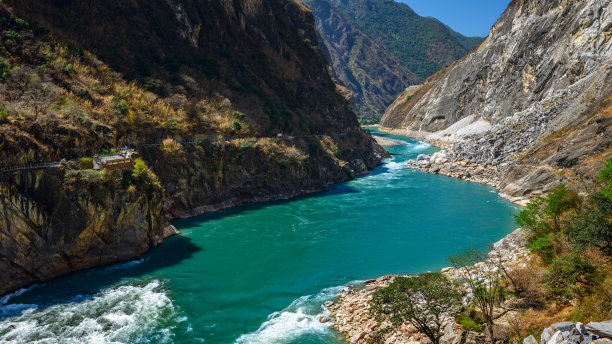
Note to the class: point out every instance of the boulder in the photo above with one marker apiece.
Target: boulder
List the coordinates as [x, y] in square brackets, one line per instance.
[530, 340]
[602, 329]
[324, 320]
[580, 327]
[564, 326]
[546, 335]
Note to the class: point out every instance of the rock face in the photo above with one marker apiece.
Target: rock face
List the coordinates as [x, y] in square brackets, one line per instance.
[199, 89]
[531, 104]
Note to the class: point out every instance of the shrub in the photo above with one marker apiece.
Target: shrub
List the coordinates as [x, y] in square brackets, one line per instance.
[543, 214]
[140, 169]
[69, 69]
[5, 70]
[571, 275]
[3, 115]
[423, 301]
[239, 115]
[11, 34]
[592, 227]
[605, 176]
[170, 146]
[22, 23]
[471, 321]
[542, 246]
[86, 163]
[235, 126]
[245, 145]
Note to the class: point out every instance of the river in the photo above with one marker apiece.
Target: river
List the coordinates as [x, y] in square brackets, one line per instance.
[260, 273]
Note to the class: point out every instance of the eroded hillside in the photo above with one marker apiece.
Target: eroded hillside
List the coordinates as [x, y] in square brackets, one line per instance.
[200, 90]
[528, 108]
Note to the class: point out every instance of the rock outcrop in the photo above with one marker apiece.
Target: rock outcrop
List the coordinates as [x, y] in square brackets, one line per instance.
[529, 107]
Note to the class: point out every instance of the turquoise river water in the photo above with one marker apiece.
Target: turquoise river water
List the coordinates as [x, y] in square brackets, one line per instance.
[260, 273]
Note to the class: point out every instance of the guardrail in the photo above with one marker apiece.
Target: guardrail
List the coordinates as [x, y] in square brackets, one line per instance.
[31, 167]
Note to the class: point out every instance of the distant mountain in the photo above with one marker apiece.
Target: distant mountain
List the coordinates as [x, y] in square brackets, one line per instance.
[379, 47]
[373, 75]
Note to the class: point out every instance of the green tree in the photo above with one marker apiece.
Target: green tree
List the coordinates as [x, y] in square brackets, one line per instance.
[140, 168]
[605, 176]
[592, 226]
[571, 275]
[424, 301]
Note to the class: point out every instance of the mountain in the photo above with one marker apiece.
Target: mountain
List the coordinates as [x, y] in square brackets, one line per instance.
[374, 75]
[221, 102]
[527, 109]
[380, 47]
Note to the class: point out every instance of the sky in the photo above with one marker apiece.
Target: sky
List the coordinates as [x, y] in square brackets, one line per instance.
[469, 17]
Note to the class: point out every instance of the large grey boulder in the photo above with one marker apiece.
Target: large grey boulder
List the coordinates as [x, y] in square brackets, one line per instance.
[602, 329]
[530, 340]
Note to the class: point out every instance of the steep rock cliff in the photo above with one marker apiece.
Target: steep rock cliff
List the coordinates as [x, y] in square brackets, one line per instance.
[199, 89]
[529, 107]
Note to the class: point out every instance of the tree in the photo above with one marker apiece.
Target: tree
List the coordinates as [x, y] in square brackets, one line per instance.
[485, 277]
[424, 300]
[592, 226]
[572, 275]
[605, 176]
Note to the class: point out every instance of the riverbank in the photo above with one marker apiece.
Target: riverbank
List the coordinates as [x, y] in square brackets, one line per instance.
[351, 311]
[446, 164]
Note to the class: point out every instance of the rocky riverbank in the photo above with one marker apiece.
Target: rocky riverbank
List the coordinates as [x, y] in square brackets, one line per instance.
[446, 164]
[351, 310]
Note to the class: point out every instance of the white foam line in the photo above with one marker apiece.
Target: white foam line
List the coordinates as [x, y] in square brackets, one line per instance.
[300, 318]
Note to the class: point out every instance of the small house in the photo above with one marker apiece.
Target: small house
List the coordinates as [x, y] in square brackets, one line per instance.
[119, 161]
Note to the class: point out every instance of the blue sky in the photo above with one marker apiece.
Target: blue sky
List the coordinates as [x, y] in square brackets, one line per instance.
[469, 17]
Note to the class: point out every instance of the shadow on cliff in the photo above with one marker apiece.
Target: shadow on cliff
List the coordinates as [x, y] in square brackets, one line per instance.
[83, 285]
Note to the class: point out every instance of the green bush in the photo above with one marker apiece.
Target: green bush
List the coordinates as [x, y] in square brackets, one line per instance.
[605, 176]
[3, 115]
[239, 115]
[571, 276]
[69, 69]
[5, 70]
[140, 169]
[542, 246]
[592, 226]
[11, 34]
[246, 145]
[22, 23]
[471, 321]
[235, 126]
[86, 163]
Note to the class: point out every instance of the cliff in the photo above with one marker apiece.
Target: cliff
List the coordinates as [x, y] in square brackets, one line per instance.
[199, 89]
[526, 109]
